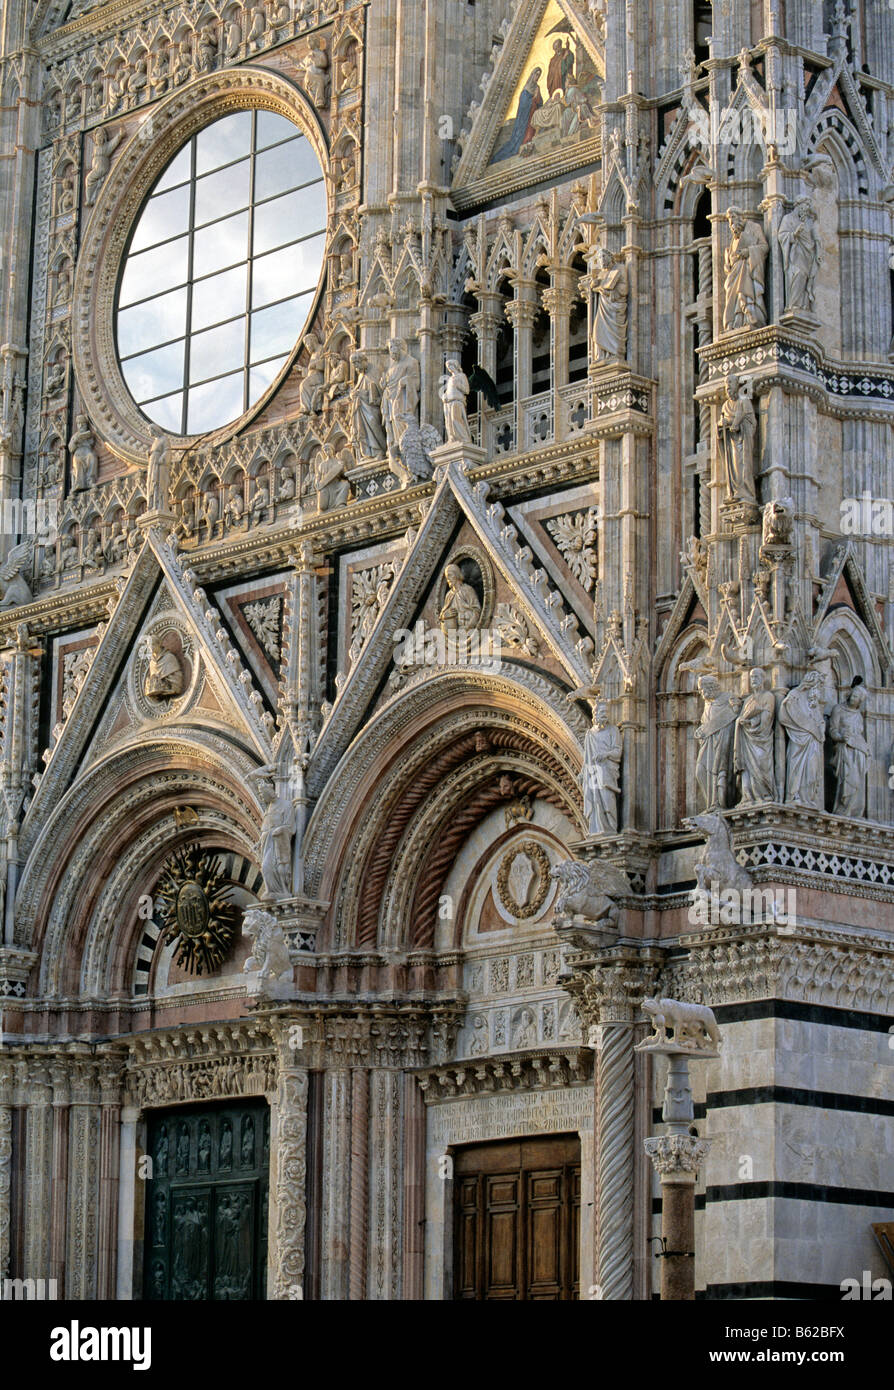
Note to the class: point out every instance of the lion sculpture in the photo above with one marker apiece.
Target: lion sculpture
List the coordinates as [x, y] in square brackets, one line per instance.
[589, 891]
[269, 953]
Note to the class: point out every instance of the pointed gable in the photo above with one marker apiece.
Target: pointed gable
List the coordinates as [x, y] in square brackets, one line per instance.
[538, 116]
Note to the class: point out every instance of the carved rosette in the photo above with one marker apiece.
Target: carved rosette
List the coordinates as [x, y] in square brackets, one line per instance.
[677, 1157]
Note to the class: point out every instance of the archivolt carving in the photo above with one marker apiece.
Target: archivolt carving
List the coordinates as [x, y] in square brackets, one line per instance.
[120, 784]
[99, 379]
[536, 709]
[107, 956]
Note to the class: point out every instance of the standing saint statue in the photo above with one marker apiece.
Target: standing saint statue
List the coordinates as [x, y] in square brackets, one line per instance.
[753, 741]
[736, 431]
[847, 731]
[714, 735]
[599, 779]
[82, 447]
[366, 410]
[104, 146]
[801, 254]
[158, 476]
[743, 284]
[454, 390]
[400, 395]
[610, 284]
[801, 715]
[275, 841]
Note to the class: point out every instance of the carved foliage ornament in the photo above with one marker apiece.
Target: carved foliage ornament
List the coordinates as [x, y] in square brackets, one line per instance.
[194, 907]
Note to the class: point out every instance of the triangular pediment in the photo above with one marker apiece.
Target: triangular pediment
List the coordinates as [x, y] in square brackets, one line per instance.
[537, 118]
[197, 675]
[532, 614]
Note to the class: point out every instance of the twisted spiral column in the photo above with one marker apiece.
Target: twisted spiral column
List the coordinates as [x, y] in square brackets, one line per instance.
[615, 1162]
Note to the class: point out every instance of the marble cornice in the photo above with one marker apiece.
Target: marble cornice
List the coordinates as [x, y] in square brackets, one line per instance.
[543, 1069]
[266, 549]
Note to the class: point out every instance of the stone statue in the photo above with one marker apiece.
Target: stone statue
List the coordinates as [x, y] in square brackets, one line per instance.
[104, 146]
[332, 487]
[453, 391]
[716, 867]
[314, 381]
[158, 475]
[778, 521]
[269, 952]
[275, 842]
[366, 410]
[588, 891]
[164, 675]
[847, 731]
[753, 741]
[461, 609]
[743, 285]
[82, 447]
[715, 736]
[258, 28]
[801, 715]
[206, 48]
[400, 396]
[599, 778]
[736, 432]
[234, 507]
[16, 589]
[316, 73]
[695, 1027]
[610, 284]
[801, 254]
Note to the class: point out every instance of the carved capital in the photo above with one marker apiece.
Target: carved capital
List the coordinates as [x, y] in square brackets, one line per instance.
[677, 1157]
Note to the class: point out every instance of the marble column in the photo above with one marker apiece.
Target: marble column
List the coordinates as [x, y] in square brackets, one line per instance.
[34, 1082]
[335, 1185]
[608, 992]
[614, 1161]
[5, 1166]
[386, 1181]
[288, 1166]
[127, 1176]
[359, 1181]
[109, 1142]
[59, 1074]
[83, 1183]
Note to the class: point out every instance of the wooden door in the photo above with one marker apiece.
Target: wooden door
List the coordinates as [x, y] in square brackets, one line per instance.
[517, 1220]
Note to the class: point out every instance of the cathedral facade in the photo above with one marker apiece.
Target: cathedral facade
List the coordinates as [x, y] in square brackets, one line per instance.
[444, 642]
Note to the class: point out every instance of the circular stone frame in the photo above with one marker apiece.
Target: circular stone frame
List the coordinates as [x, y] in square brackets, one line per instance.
[134, 173]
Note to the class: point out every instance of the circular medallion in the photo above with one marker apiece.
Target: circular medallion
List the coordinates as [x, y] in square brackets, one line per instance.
[523, 879]
[164, 671]
[195, 908]
[191, 909]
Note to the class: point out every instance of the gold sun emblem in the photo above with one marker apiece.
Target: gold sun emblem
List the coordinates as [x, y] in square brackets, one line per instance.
[194, 907]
